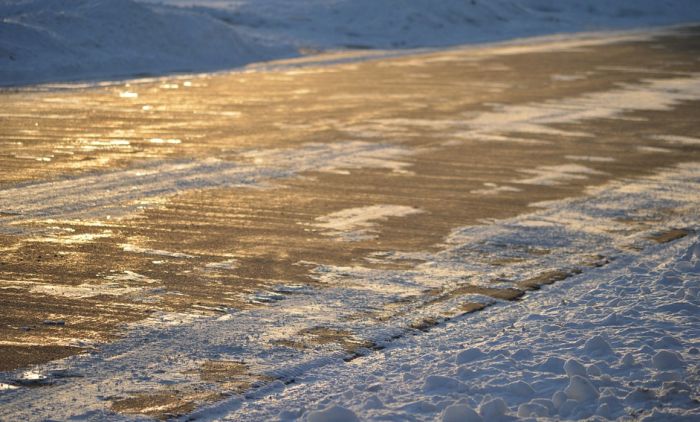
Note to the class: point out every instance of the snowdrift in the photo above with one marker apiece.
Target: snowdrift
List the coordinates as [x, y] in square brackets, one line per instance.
[45, 40]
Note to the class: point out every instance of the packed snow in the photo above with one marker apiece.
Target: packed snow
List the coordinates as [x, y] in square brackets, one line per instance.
[617, 343]
[46, 40]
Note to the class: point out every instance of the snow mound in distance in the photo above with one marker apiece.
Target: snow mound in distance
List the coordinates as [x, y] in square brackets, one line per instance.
[424, 23]
[45, 40]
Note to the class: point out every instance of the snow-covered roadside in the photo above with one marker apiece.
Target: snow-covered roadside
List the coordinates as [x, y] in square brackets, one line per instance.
[46, 40]
[389, 24]
[619, 342]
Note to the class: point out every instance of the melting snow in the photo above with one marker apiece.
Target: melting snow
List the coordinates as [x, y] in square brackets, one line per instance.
[676, 139]
[555, 175]
[355, 224]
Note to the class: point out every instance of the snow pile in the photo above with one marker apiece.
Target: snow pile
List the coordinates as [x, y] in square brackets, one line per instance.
[620, 342]
[46, 40]
[322, 24]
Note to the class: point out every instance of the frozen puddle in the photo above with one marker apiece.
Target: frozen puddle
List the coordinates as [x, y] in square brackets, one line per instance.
[360, 308]
[355, 224]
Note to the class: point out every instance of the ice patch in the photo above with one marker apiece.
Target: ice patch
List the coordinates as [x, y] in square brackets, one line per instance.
[171, 141]
[591, 158]
[567, 78]
[122, 192]
[676, 139]
[556, 175]
[357, 224]
[131, 276]
[7, 387]
[127, 247]
[86, 290]
[653, 95]
[440, 384]
[229, 264]
[73, 239]
[653, 150]
[494, 189]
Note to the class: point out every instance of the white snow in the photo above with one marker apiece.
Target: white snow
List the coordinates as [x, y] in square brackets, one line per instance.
[612, 342]
[581, 389]
[45, 40]
[592, 335]
[514, 372]
[494, 189]
[355, 224]
[86, 290]
[460, 413]
[555, 175]
[229, 264]
[333, 414]
[591, 158]
[676, 139]
[667, 359]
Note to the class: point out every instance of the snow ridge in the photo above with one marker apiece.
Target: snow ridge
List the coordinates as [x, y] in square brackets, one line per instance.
[49, 41]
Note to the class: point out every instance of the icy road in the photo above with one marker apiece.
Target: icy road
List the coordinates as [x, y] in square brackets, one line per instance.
[199, 245]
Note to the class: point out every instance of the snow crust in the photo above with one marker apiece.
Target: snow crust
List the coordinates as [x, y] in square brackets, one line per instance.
[620, 343]
[46, 40]
[620, 338]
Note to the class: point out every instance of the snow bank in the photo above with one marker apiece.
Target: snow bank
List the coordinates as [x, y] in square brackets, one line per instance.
[322, 24]
[620, 368]
[45, 40]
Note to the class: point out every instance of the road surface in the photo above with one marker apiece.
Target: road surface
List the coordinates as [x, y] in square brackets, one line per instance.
[188, 238]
